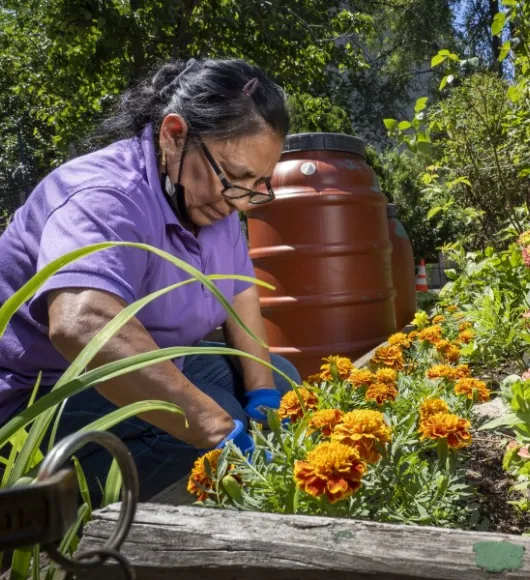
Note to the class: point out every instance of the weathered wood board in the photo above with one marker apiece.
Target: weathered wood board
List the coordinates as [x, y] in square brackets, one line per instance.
[195, 543]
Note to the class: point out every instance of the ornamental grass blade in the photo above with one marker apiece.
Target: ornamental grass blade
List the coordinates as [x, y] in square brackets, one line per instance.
[83, 487]
[113, 370]
[111, 493]
[21, 563]
[35, 568]
[128, 411]
[55, 427]
[30, 454]
[70, 540]
[86, 355]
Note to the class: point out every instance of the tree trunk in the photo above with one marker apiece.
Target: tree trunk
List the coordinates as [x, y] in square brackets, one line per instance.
[496, 41]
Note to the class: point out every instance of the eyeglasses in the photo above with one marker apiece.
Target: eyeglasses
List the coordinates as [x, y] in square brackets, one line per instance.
[235, 191]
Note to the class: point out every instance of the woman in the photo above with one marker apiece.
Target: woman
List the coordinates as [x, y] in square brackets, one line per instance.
[203, 140]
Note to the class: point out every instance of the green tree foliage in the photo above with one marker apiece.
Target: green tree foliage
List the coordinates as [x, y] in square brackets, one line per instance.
[399, 175]
[64, 62]
[475, 140]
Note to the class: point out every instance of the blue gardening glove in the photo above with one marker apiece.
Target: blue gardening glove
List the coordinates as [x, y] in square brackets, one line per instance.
[259, 401]
[240, 438]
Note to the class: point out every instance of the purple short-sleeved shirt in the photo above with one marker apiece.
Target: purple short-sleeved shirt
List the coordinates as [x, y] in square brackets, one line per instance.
[113, 194]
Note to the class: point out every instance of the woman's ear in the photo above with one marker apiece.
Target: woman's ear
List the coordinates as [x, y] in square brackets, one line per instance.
[173, 133]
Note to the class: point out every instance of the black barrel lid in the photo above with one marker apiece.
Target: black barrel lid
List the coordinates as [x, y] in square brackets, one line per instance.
[324, 142]
[391, 210]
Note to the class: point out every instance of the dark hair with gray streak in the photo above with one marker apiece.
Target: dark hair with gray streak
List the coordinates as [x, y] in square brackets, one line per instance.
[217, 98]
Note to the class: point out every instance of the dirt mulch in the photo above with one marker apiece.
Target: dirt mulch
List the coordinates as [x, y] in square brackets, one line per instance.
[485, 473]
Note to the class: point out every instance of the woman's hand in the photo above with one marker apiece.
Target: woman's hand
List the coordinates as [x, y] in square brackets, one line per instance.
[77, 314]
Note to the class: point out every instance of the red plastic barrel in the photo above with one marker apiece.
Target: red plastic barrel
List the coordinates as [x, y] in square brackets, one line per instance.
[403, 269]
[324, 244]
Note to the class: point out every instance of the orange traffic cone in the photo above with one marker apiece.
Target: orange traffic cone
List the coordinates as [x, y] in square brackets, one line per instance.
[421, 278]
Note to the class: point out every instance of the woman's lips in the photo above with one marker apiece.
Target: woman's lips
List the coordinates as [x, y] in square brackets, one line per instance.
[212, 213]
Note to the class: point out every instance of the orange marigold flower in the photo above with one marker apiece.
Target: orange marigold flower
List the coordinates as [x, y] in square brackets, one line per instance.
[331, 469]
[389, 356]
[466, 336]
[313, 379]
[324, 421]
[450, 352]
[199, 476]
[464, 326]
[290, 407]
[431, 407]
[452, 308]
[462, 372]
[466, 387]
[432, 334]
[400, 339]
[388, 376]
[343, 364]
[363, 430]
[381, 393]
[438, 319]
[441, 371]
[413, 334]
[447, 426]
[361, 377]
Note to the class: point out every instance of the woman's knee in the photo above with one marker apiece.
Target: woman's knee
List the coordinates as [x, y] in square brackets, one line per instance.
[286, 367]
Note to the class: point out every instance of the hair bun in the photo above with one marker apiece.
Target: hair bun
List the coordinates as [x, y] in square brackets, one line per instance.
[167, 74]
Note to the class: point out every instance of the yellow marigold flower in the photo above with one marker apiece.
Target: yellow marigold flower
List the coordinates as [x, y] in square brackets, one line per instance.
[324, 421]
[438, 319]
[447, 426]
[343, 364]
[432, 334]
[389, 356]
[466, 336]
[466, 387]
[458, 315]
[199, 476]
[400, 339]
[421, 319]
[381, 393]
[363, 429]
[524, 238]
[464, 326]
[432, 406]
[462, 372]
[360, 377]
[452, 308]
[441, 371]
[388, 376]
[331, 469]
[448, 351]
[313, 379]
[413, 335]
[290, 407]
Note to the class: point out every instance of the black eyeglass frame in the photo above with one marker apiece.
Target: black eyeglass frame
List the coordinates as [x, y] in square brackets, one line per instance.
[227, 185]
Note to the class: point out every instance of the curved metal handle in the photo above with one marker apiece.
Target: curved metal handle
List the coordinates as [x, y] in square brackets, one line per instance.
[130, 492]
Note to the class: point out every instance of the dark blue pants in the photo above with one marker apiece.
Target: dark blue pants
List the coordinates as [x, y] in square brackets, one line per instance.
[160, 458]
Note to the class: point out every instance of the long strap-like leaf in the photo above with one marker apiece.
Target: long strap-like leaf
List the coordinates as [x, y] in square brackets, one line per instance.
[113, 370]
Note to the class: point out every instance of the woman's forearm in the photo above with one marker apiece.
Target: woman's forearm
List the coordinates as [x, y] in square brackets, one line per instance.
[255, 375]
[77, 315]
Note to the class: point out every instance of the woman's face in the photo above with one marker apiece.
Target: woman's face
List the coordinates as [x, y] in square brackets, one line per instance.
[246, 161]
